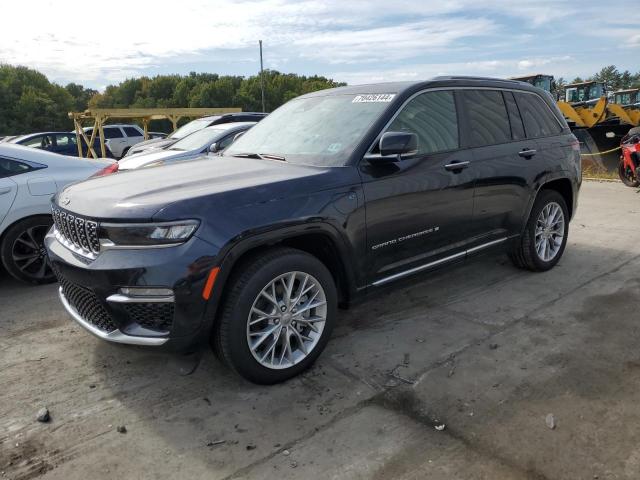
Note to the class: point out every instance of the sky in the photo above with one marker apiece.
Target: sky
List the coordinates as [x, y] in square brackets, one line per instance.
[348, 40]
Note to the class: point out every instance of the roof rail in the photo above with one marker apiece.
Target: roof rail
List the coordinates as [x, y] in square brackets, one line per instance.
[469, 77]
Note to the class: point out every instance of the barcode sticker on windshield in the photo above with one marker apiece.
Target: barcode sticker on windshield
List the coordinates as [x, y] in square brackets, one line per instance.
[374, 98]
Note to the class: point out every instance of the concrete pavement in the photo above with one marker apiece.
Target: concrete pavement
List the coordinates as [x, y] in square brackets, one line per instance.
[483, 348]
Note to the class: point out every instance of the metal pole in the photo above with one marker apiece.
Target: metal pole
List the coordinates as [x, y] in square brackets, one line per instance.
[262, 77]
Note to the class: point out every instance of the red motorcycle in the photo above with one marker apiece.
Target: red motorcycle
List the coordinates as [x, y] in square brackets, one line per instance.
[629, 166]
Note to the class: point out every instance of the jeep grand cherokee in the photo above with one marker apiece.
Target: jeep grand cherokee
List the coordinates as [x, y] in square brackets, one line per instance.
[334, 195]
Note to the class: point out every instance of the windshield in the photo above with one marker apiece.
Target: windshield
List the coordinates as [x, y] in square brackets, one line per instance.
[623, 98]
[189, 128]
[543, 82]
[198, 140]
[320, 131]
[595, 91]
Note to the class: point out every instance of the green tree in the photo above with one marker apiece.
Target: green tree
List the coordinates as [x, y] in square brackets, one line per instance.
[610, 76]
[29, 102]
[81, 96]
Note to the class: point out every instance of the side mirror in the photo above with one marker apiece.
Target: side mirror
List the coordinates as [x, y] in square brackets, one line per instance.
[393, 147]
[213, 148]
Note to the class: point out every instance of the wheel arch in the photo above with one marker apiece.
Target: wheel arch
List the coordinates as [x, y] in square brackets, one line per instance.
[561, 184]
[18, 220]
[319, 239]
[564, 187]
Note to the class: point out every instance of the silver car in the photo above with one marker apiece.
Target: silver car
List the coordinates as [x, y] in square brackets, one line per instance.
[194, 126]
[28, 179]
[210, 139]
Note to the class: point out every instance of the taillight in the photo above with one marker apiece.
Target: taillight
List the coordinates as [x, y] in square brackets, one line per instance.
[113, 168]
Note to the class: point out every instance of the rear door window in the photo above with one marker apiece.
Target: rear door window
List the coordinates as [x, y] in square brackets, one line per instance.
[432, 117]
[112, 132]
[517, 128]
[488, 117]
[536, 115]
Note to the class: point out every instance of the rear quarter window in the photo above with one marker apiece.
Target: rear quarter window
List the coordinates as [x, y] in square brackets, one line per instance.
[10, 167]
[538, 119]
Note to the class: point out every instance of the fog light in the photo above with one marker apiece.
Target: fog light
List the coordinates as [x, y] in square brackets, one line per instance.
[146, 292]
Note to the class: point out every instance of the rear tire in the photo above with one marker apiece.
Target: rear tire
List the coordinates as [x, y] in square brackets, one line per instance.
[22, 251]
[544, 239]
[627, 176]
[277, 315]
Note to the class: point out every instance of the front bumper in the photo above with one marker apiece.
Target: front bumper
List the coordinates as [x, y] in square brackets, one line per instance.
[112, 336]
[90, 291]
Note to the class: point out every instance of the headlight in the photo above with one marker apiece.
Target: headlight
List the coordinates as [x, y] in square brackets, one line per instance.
[146, 234]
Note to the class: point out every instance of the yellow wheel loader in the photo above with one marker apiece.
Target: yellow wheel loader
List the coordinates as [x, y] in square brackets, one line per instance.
[626, 106]
[597, 125]
[585, 104]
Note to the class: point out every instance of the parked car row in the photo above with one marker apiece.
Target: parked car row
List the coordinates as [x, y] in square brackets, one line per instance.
[210, 139]
[120, 138]
[29, 177]
[194, 126]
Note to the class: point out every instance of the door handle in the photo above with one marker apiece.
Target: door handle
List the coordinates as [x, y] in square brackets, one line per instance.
[527, 153]
[5, 190]
[456, 166]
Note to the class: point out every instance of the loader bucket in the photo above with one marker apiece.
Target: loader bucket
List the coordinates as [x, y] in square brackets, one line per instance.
[594, 140]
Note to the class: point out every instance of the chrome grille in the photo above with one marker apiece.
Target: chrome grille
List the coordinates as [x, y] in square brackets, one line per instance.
[77, 231]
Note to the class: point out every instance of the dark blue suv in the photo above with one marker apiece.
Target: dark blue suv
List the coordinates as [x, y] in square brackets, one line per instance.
[333, 196]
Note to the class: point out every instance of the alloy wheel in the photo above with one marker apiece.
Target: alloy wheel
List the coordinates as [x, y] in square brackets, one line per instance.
[286, 320]
[549, 232]
[29, 254]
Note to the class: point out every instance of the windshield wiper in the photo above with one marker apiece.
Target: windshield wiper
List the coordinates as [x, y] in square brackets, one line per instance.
[260, 156]
[247, 155]
[271, 156]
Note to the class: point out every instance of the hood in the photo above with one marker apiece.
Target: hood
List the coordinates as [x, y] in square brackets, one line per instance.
[142, 159]
[137, 195]
[153, 143]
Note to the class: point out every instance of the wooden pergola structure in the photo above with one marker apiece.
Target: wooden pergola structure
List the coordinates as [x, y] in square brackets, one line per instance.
[100, 115]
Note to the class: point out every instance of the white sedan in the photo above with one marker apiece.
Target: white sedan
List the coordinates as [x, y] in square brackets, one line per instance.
[28, 179]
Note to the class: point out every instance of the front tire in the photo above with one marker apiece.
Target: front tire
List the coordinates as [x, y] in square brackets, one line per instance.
[544, 239]
[23, 253]
[277, 316]
[627, 176]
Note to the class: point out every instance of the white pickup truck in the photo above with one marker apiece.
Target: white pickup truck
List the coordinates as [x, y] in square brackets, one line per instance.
[120, 138]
